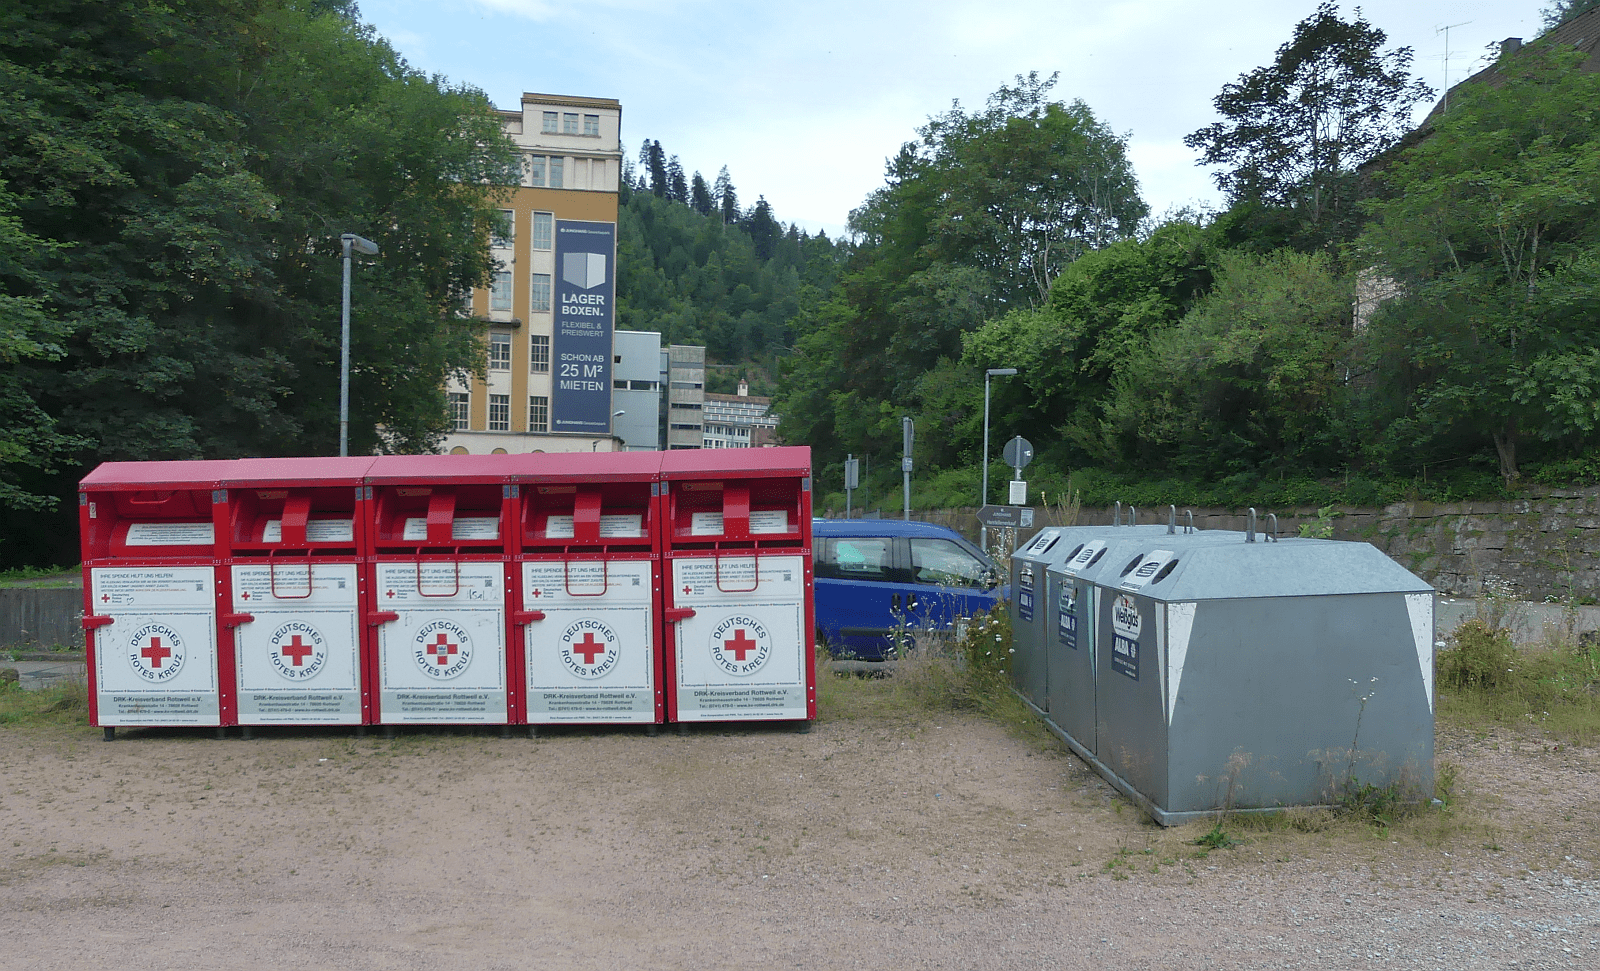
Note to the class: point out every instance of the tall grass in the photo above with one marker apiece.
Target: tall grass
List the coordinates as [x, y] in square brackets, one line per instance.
[1553, 685]
[64, 703]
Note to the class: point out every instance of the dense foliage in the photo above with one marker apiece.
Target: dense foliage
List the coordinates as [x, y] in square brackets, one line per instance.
[1217, 356]
[174, 179]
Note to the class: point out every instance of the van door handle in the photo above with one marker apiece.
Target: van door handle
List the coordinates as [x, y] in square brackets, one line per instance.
[894, 601]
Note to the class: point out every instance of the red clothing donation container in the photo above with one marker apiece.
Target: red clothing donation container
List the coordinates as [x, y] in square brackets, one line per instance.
[738, 602]
[442, 534]
[152, 540]
[589, 592]
[295, 529]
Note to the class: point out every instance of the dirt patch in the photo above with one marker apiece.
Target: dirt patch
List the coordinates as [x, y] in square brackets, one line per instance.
[877, 840]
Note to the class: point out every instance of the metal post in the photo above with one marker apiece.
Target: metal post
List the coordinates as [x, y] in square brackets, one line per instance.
[994, 372]
[344, 356]
[908, 433]
[361, 245]
[983, 497]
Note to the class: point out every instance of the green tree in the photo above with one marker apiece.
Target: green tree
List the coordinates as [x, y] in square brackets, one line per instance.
[1294, 131]
[1492, 231]
[1559, 12]
[976, 218]
[186, 170]
[1252, 379]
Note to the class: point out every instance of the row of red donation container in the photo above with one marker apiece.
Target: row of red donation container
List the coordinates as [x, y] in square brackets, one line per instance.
[541, 589]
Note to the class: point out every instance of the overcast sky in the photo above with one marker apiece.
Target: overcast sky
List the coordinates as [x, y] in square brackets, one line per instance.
[805, 101]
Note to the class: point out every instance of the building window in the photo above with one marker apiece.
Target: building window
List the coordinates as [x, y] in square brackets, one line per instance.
[591, 125]
[499, 413]
[539, 354]
[555, 171]
[500, 290]
[504, 229]
[536, 169]
[550, 123]
[544, 227]
[539, 294]
[569, 123]
[460, 410]
[499, 352]
[538, 412]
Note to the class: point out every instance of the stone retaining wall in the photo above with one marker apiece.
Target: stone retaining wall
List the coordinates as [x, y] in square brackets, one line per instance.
[1544, 545]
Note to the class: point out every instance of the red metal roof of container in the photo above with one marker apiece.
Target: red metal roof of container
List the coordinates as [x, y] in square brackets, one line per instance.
[196, 473]
[581, 466]
[438, 468]
[308, 470]
[709, 463]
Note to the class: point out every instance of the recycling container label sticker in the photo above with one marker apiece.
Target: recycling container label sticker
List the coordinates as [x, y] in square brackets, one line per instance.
[1125, 627]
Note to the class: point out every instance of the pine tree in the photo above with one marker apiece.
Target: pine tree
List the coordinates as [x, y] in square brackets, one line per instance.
[727, 198]
[656, 164]
[764, 230]
[677, 186]
[700, 195]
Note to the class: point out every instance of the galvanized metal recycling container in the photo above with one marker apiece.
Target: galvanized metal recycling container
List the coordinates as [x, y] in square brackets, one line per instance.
[1228, 674]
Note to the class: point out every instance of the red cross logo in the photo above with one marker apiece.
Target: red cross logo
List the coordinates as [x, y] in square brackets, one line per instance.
[687, 588]
[740, 645]
[538, 593]
[155, 653]
[441, 649]
[589, 648]
[245, 595]
[297, 650]
[105, 598]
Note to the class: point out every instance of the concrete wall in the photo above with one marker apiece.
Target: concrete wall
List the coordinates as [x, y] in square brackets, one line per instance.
[1544, 545]
[41, 617]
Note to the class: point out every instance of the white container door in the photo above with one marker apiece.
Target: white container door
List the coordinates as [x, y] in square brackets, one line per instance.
[444, 660]
[156, 662]
[299, 661]
[742, 655]
[591, 659]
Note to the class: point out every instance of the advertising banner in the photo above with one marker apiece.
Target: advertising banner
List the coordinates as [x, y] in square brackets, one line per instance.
[580, 348]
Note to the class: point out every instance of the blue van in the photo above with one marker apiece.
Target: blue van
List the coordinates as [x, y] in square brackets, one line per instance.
[880, 582]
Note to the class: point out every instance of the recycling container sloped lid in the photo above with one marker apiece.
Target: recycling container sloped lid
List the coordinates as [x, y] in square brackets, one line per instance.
[1287, 568]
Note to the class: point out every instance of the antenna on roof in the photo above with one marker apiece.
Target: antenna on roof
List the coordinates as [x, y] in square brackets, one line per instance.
[1445, 30]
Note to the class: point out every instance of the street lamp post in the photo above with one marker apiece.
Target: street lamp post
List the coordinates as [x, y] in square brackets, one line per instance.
[994, 372]
[368, 248]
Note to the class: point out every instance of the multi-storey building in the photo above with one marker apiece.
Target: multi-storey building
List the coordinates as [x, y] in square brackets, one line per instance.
[685, 369]
[553, 358]
[740, 420]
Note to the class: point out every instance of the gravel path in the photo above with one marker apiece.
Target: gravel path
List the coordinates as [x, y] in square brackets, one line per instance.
[877, 841]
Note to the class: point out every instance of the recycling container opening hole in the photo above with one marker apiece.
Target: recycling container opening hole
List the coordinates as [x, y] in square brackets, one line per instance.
[1132, 564]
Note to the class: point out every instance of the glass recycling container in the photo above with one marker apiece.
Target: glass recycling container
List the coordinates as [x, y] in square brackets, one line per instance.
[1231, 671]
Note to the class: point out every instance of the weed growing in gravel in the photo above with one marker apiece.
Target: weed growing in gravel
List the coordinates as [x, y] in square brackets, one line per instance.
[60, 704]
[1553, 686]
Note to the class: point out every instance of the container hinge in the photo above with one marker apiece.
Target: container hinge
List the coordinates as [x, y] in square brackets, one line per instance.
[674, 614]
[235, 620]
[382, 617]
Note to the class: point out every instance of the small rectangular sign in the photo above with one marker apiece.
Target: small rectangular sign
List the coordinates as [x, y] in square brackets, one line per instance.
[618, 526]
[170, 534]
[317, 531]
[465, 528]
[761, 521]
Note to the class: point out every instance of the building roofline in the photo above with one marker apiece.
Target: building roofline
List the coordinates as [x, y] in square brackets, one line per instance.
[571, 100]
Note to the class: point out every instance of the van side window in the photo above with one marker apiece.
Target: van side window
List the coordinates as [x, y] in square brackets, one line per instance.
[942, 562]
[854, 558]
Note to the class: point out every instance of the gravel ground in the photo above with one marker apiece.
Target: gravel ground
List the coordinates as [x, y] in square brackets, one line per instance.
[879, 840]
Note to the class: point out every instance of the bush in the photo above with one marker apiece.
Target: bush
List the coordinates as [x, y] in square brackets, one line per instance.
[1480, 656]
